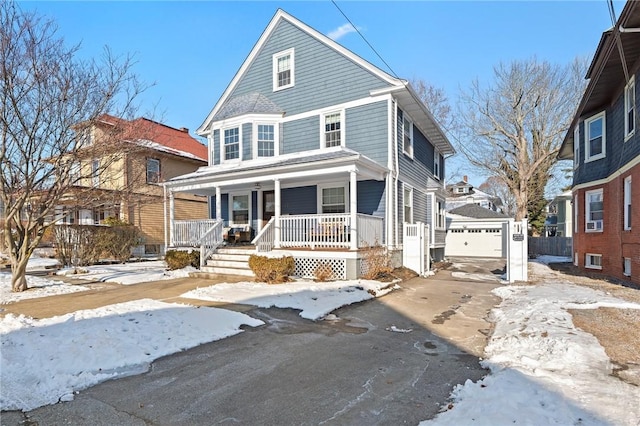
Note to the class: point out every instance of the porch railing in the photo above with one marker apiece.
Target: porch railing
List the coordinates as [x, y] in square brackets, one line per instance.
[315, 230]
[265, 239]
[187, 233]
[369, 230]
[210, 241]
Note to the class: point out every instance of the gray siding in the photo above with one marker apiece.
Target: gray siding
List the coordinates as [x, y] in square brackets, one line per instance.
[418, 170]
[300, 135]
[322, 76]
[366, 130]
[421, 207]
[618, 152]
[371, 198]
[216, 147]
[247, 141]
[300, 200]
[430, 207]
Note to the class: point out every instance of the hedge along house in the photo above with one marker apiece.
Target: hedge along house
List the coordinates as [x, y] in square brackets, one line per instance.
[604, 143]
[315, 151]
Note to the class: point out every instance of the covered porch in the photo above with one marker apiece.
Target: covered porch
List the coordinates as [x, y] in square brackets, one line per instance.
[324, 200]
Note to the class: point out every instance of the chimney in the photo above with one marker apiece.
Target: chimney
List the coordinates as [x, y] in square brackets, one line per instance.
[185, 130]
[464, 178]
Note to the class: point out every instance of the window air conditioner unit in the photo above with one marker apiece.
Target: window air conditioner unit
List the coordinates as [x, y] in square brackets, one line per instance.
[594, 225]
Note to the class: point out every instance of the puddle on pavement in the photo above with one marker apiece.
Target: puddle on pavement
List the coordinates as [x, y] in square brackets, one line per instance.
[440, 319]
[288, 321]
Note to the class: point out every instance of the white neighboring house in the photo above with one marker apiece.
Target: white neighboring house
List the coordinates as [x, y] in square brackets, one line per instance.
[461, 193]
[475, 231]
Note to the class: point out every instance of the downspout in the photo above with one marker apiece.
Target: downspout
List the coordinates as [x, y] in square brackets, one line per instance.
[396, 173]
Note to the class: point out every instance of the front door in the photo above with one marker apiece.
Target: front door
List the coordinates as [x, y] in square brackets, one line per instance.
[268, 206]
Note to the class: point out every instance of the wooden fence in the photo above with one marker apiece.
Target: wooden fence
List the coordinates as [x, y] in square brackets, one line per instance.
[555, 246]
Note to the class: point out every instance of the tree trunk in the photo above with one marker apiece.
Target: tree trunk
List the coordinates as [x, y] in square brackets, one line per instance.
[19, 275]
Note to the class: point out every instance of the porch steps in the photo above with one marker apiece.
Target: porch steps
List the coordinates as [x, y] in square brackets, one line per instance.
[230, 261]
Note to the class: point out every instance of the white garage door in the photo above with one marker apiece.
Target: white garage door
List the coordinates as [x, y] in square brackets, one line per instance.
[478, 242]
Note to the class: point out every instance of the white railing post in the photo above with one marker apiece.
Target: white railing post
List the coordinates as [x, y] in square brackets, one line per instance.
[171, 216]
[353, 202]
[277, 236]
[218, 203]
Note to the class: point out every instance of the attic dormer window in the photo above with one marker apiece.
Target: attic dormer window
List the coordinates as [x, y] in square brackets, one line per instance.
[460, 190]
[283, 70]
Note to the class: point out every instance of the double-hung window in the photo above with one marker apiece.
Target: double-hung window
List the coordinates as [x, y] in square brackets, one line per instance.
[407, 202]
[232, 143]
[627, 203]
[333, 200]
[407, 135]
[266, 143]
[593, 261]
[595, 137]
[630, 108]
[240, 209]
[436, 164]
[153, 170]
[332, 129]
[576, 146]
[283, 69]
[95, 172]
[441, 215]
[594, 210]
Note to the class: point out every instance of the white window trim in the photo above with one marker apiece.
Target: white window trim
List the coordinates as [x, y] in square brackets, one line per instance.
[410, 188]
[323, 117]
[576, 146]
[239, 194]
[626, 271]
[630, 87]
[436, 163]
[587, 145]
[626, 203]
[587, 211]
[322, 186]
[223, 146]
[441, 213]
[588, 264]
[276, 138]
[275, 58]
[405, 116]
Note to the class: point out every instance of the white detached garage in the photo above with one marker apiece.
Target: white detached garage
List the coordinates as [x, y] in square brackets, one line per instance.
[474, 231]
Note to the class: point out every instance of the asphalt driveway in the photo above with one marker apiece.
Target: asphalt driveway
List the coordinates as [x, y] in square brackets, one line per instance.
[392, 360]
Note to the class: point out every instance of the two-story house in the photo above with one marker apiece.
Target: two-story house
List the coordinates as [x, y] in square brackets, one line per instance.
[559, 216]
[122, 177]
[316, 151]
[461, 193]
[605, 148]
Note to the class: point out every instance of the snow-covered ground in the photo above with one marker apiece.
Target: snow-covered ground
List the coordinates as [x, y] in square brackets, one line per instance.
[315, 300]
[128, 273]
[543, 369]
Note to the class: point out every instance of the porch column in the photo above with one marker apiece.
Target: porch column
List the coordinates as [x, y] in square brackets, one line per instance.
[218, 203]
[276, 239]
[172, 209]
[353, 206]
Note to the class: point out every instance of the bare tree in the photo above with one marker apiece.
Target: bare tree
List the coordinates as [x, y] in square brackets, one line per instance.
[49, 100]
[495, 186]
[515, 126]
[436, 101]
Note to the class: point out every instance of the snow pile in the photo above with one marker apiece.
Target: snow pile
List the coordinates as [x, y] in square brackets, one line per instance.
[38, 287]
[543, 369]
[46, 361]
[127, 273]
[315, 300]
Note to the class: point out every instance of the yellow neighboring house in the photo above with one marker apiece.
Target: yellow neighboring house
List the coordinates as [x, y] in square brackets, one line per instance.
[125, 180]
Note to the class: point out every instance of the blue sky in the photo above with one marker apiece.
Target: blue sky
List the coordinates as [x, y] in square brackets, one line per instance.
[192, 50]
